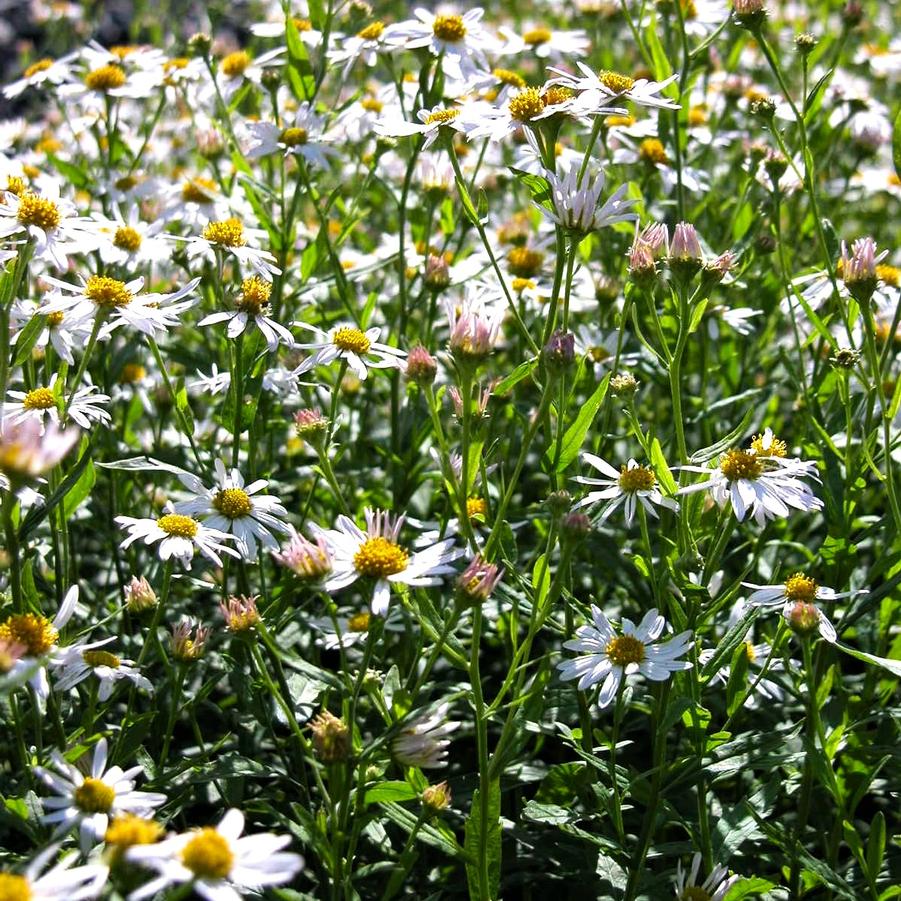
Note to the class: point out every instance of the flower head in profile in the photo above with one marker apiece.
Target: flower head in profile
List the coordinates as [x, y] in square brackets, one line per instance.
[713, 888]
[634, 484]
[608, 657]
[378, 555]
[219, 863]
[598, 89]
[28, 449]
[424, 741]
[78, 662]
[576, 202]
[474, 326]
[62, 882]
[306, 559]
[88, 801]
[251, 307]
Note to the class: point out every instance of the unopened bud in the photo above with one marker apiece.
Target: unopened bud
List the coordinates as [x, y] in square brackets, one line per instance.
[437, 273]
[331, 738]
[199, 44]
[240, 613]
[805, 43]
[575, 526]
[560, 352]
[624, 384]
[436, 798]
[803, 618]
[559, 503]
[421, 366]
[139, 596]
[310, 424]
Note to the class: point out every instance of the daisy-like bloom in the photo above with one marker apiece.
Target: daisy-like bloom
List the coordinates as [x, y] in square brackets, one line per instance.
[350, 630]
[62, 333]
[713, 888]
[365, 44]
[424, 741]
[359, 349]
[50, 222]
[596, 89]
[76, 662]
[131, 242]
[189, 640]
[121, 304]
[230, 506]
[632, 485]
[759, 480]
[610, 657]
[432, 122]
[797, 588]
[238, 67]
[308, 561]
[474, 326]
[33, 639]
[231, 236]
[252, 308]
[376, 554]
[459, 41]
[544, 42]
[41, 405]
[303, 137]
[41, 72]
[575, 202]
[601, 349]
[29, 449]
[178, 536]
[218, 862]
[62, 882]
[88, 802]
[859, 268]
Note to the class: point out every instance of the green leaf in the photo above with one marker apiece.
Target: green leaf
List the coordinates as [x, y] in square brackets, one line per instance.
[749, 888]
[522, 371]
[896, 145]
[539, 187]
[876, 845]
[491, 841]
[893, 666]
[661, 469]
[738, 678]
[714, 450]
[28, 337]
[541, 579]
[80, 491]
[390, 791]
[575, 434]
[77, 177]
[300, 71]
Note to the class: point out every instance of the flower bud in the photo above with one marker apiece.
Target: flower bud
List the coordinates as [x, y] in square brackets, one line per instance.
[189, 644]
[559, 503]
[199, 44]
[310, 424]
[308, 561]
[750, 14]
[845, 358]
[331, 738]
[575, 526]
[685, 255]
[437, 273]
[240, 613]
[436, 798]
[763, 108]
[803, 618]
[560, 352]
[624, 384]
[421, 366]
[139, 596]
[805, 43]
[479, 579]
[271, 79]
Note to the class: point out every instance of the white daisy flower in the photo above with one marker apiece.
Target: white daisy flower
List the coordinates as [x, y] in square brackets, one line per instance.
[42, 404]
[230, 506]
[131, 242]
[151, 314]
[61, 332]
[77, 662]
[394, 125]
[576, 202]
[28, 449]
[376, 554]
[609, 657]
[178, 536]
[252, 308]
[543, 42]
[303, 137]
[239, 67]
[798, 587]
[43, 71]
[597, 88]
[89, 801]
[765, 486]
[360, 349]
[713, 888]
[218, 862]
[424, 742]
[62, 882]
[365, 44]
[231, 236]
[632, 485]
[351, 630]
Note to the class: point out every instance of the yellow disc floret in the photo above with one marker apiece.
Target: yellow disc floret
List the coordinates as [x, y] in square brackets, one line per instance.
[799, 587]
[94, 796]
[293, 137]
[526, 105]
[42, 65]
[616, 81]
[537, 36]
[352, 340]
[39, 399]
[359, 622]
[199, 190]
[227, 233]
[777, 448]
[738, 464]
[107, 292]
[127, 238]
[106, 78]
[476, 506]
[378, 557]
[101, 658]
[235, 63]
[651, 150]
[641, 478]
[372, 32]
[524, 262]
[35, 633]
[35, 210]
[449, 28]
[508, 76]
[14, 888]
[254, 297]
[128, 830]
[625, 649]
[442, 116]
[208, 855]
[233, 503]
[178, 525]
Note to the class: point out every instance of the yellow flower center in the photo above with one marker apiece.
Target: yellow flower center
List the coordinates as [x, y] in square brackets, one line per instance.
[42, 65]
[232, 503]
[625, 649]
[359, 622]
[302, 24]
[894, 180]
[750, 653]
[888, 275]
[616, 81]
[35, 210]
[254, 297]
[131, 373]
[54, 319]
[476, 506]
[177, 62]
[94, 796]
[526, 105]
[614, 121]
[371, 105]
[35, 633]
[799, 587]
[697, 115]
[378, 557]
[101, 658]
[199, 190]
[372, 32]
[442, 116]
[107, 292]
[126, 183]
[598, 354]
[106, 78]
[652, 150]
[521, 284]
[351, 339]
[689, 9]
[291, 137]
[39, 399]
[777, 448]
[554, 95]
[449, 28]
[127, 238]
[178, 525]
[16, 185]
[524, 262]
[537, 36]
[235, 63]
[227, 233]
[507, 76]
[14, 888]
[738, 464]
[49, 144]
[128, 830]
[208, 855]
[641, 478]
[122, 50]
